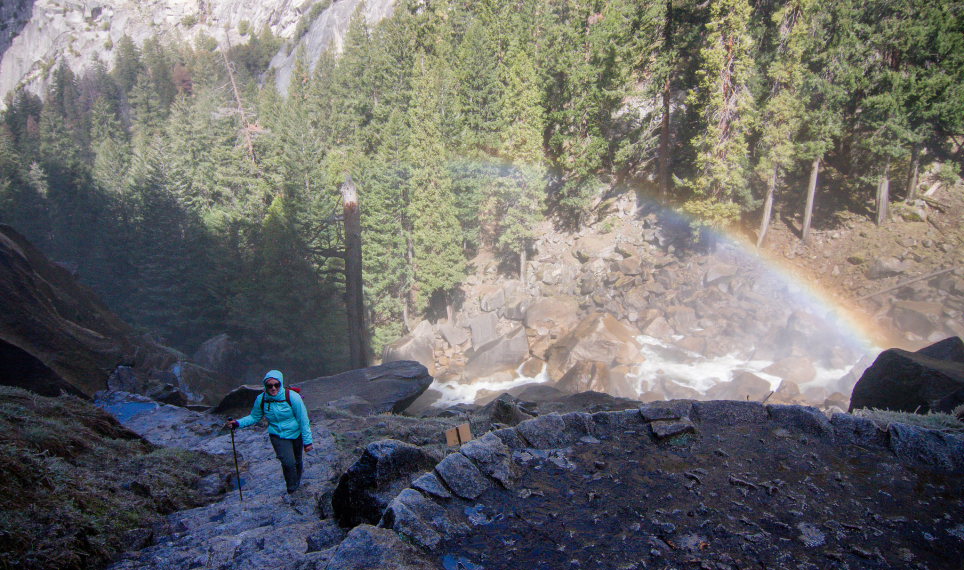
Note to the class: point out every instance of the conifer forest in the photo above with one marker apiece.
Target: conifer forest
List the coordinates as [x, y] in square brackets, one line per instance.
[195, 198]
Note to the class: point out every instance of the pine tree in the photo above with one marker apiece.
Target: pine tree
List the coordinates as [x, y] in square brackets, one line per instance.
[158, 66]
[725, 105]
[147, 110]
[111, 148]
[64, 100]
[480, 87]
[438, 263]
[782, 112]
[826, 89]
[22, 117]
[930, 39]
[521, 195]
[170, 290]
[585, 55]
[11, 177]
[127, 63]
[199, 146]
[384, 189]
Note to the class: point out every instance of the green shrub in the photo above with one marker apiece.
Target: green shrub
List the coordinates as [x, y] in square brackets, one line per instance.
[712, 213]
[949, 173]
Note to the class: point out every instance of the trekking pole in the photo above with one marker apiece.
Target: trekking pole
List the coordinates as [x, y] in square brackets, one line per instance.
[237, 469]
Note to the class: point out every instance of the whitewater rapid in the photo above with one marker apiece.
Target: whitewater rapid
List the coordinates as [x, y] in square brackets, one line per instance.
[697, 372]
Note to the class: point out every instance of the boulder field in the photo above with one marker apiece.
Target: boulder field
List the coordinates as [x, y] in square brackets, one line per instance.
[594, 307]
[598, 303]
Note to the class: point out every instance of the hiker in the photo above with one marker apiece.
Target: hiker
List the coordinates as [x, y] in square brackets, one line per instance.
[288, 426]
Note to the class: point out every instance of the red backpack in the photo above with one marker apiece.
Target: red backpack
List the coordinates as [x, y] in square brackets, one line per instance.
[287, 396]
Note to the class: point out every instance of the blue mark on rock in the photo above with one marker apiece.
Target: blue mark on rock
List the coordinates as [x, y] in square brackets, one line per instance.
[128, 410]
[450, 562]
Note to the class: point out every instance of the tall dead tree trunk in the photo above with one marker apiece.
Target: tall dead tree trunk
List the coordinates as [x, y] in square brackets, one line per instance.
[245, 125]
[883, 195]
[411, 298]
[913, 173]
[767, 207]
[522, 265]
[358, 346]
[811, 195]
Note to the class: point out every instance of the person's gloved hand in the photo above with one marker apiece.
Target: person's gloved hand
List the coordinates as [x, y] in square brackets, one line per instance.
[309, 447]
[233, 424]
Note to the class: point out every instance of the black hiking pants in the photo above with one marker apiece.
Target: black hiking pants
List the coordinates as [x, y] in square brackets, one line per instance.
[289, 453]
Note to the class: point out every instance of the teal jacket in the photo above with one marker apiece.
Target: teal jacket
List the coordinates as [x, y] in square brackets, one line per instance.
[284, 420]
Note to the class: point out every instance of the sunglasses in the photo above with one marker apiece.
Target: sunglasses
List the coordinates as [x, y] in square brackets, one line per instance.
[271, 385]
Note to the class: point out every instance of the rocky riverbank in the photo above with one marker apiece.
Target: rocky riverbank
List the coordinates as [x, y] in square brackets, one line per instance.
[635, 306]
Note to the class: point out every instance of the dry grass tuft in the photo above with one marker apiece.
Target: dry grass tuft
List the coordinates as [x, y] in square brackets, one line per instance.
[74, 481]
[930, 420]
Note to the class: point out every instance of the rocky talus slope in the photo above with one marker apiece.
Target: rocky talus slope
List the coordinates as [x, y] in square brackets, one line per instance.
[804, 313]
[678, 484]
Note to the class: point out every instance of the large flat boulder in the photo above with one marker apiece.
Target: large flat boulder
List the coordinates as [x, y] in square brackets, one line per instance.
[417, 345]
[744, 386]
[390, 387]
[599, 337]
[584, 376]
[911, 381]
[484, 329]
[921, 318]
[506, 352]
[222, 355]
[553, 315]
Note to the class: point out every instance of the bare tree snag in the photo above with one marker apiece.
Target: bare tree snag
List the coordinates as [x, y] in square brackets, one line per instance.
[523, 260]
[811, 195]
[883, 195]
[767, 207]
[913, 173]
[246, 127]
[358, 345]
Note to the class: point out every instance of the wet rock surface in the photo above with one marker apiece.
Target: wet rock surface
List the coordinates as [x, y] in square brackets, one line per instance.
[270, 529]
[677, 484]
[789, 491]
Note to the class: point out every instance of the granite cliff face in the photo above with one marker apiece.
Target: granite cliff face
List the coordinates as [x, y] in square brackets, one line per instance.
[36, 35]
